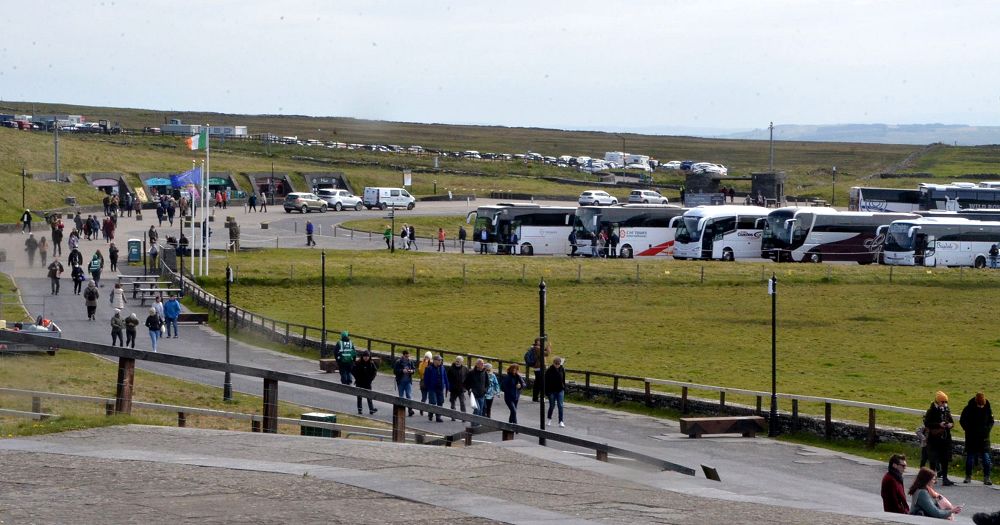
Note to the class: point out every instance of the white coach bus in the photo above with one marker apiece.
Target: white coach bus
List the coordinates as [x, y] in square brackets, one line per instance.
[940, 241]
[539, 230]
[643, 229]
[719, 232]
[825, 234]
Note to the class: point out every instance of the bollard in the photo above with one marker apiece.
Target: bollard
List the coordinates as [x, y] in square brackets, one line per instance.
[464, 280]
[522, 272]
[890, 273]
[413, 274]
[636, 272]
[275, 242]
[579, 271]
[702, 275]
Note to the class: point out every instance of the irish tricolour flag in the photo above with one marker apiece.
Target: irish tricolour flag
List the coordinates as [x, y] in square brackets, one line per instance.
[199, 141]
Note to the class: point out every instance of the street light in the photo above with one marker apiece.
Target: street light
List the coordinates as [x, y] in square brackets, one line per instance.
[227, 384]
[24, 173]
[772, 290]
[541, 359]
[322, 348]
[833, 198]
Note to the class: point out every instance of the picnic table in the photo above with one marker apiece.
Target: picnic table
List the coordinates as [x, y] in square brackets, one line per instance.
[137, 285]
[152, 293]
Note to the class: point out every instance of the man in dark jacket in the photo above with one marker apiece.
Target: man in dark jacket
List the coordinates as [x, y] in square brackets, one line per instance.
[893, 494]
[344, 353]
[977, 421]
[555, 387]
[476, 382]
[364, 373]
[939, 423]
[403, 370]
[436, 382]
[456, 383]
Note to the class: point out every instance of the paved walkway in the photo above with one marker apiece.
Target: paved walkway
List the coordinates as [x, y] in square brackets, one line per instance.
[758, 470]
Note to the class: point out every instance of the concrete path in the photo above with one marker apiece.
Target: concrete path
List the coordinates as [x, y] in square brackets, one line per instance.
[759, 469]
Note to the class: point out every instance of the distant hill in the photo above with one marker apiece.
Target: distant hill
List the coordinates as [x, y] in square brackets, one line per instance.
[950, 134]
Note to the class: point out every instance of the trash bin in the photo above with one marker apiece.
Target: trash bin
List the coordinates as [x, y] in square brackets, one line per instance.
[134, 250]
[71, 201]
[317, 431]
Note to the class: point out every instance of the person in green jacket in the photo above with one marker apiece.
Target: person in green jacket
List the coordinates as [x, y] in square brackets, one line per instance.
[387, 235]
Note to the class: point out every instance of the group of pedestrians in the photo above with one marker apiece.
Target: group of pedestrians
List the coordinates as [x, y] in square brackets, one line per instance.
[936, 451]
[478, 386]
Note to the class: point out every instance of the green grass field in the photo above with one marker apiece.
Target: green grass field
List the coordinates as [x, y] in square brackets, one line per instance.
[843, 331]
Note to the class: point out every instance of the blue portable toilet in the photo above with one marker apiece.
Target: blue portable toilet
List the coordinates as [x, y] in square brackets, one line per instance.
[134, 250]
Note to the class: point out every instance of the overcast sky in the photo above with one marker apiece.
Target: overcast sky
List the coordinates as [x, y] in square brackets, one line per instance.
[727, 64]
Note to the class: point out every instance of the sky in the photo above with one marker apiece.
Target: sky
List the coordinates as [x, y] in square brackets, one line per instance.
[618, 66]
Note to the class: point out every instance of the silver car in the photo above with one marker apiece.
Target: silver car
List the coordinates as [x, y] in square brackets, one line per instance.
[597, 198]
[340, 199]
[646, 197]
[304, 202]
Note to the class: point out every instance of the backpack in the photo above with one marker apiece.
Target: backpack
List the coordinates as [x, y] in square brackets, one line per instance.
[530, 359]
[90, 294]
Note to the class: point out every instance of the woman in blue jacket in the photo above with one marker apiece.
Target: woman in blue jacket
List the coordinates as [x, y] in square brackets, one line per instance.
[511, 386]
[436, 383]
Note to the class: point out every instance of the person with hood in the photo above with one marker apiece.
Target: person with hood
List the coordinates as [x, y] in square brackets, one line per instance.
[477, 383]
[421, 369]
[977, 422]
[57, 237]
[511, 386]
[30, 246]
[345, 353]
[155, 325]
[939, 423]
[387, 235]
[456, 381]
[491, 391]
[26, 221]
[555, 388]
[435, 379]
[74, 238]
[78, 276]
[117, 325]
[113, 257]
[117, 297]
[171, 311]
[55, 272]
[131, 323]
[96, 266]
[893, 492]
[90, 296]
[43, 250]
[364, 374]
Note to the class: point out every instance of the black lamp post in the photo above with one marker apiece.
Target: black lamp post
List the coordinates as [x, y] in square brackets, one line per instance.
[541, 359]
[833, 198]
[322, 347]
[772, 290]
[24, 174]
[227, 384]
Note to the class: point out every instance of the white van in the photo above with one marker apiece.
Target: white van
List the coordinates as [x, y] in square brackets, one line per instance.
[383, 198]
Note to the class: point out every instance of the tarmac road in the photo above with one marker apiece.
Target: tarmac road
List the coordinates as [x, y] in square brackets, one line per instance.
[759, 470]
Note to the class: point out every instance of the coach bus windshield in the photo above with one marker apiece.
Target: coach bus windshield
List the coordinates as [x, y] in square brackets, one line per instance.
[775, 226]
[688, 229]
[588, 222]
[899, 239]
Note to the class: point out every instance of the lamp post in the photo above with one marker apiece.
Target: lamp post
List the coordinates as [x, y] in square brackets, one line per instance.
[24, 173]
[833, 197]
[227, 384]
[772, 290]
[541, 359]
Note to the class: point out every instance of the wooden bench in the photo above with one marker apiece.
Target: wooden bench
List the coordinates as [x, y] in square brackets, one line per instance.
[192, 317]
[328, 365]
[137, 285]
[697, 426]
[130, 278]
[151, 293]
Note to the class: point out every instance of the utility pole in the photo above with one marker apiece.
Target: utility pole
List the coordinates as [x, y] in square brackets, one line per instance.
[541, 359]
[322, 348]
[770, 164]
[55, 122]
[24, 174]
[833, 198]
[772, 290]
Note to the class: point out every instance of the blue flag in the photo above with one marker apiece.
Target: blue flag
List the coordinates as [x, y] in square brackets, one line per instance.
[192, 176]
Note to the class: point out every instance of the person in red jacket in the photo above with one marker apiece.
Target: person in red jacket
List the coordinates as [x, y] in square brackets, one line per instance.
[893, 493]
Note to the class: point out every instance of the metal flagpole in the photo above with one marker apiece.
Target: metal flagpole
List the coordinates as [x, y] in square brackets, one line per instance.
[208, 170]
[193, 209]
[204, 213]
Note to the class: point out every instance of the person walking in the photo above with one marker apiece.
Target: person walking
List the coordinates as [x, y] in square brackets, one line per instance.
[412, 237]
[55, 272]
[404, 370]
[492, 390]
[461, 237]
[171, 311]
[893, 492]
[477, 383]
[74, 240]
[158, 306]
[26, 221]
[441, 238]
[977, 422]
[456, 383]
[117, 326]
[77, 276]
[364, 373]
[613, 243]
[511, 386]
[387, 235]
[117, 297]
[96, 266]
[345, 353]
[532, 361]
[252, 203]
[113, 257]
[90, 297]
[483, 237]
[152, 236]
[155, 325]
[555, 388]
[421, 370]
[43, 251]
[131, 323]
[31, 246]
[57, 238]
[404, 234]
[939, 423]
[994, 256]
[572, 242]
[926, 501]
[436, 381]
[309, 234]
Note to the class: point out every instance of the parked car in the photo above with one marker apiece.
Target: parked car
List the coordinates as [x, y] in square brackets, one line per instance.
[672, 165]
[383, 198]
[340, 199]
[708, 167]
[304, 202]
[646, 197]
[597, 198]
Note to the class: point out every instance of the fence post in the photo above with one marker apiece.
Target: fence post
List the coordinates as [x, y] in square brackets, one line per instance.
[468, 438]
[579, 272]
[636, 272]
[702, 275]
[398, 424]
[270, 423]
[392, 351]
[828, 422]
[759, 401]
[464, 281]
[722, 399]
[36, 404]
[649, 395]
[684, 400]
[871, 428]
[586, 387]
[413, 274]
[614, 393]
[304, 329]
[126, 380]
[369, 346]
[795, 415]
[181, 419]
[602, 455]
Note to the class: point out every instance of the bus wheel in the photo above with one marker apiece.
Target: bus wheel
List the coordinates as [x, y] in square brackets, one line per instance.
[527, 250]
[816, 258]
[626, 252]
[727, 255]
[980, 262]
[382, 206]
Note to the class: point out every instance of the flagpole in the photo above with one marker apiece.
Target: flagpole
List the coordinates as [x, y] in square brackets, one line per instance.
[208, 171]
[197, 235]
[192, 208]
